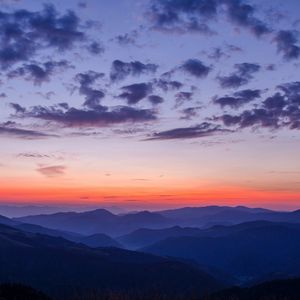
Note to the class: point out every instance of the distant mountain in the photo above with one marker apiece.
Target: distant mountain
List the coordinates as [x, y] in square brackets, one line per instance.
[247, 251]
[226, 215]
[47, 231]
[61, 268]
[7, 221]
[273, 290]
[95, 240]
[98, 240]
[145, 237]
[13, 291]
[16, 211]
[98, 221]
[103, 221]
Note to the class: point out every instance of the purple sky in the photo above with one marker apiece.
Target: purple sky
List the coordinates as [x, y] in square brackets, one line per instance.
[157, 102]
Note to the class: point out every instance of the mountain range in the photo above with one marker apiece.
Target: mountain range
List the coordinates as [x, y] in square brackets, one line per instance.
[60, 268]
[182, 252]
[249, 251]
[103, 221]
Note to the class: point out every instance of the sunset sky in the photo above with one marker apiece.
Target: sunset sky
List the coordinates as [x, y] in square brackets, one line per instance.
[150, 103]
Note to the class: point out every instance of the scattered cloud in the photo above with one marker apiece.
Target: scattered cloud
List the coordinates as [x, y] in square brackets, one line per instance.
[202, 130]
[243, 74]
[120, 70]
[287, 44]
[9, 129]
[195, 68]
[93, 96]
[238, 99]
[98, 116]
[136, 92]
[52, 171]
[24, 33]
[39, 73]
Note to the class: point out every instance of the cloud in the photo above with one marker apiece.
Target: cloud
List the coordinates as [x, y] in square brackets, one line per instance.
[98, 116]
[52, 171]
[93, 96]
[196, 68]
[127, 38]
[95, 48]
[190, 112]
[286, 41]
[182, 97]
[120, 70]
[167, 85]
[136, 92]
[182, 16]
[238, 99]
[33, 155]
[242, 76]
[280, 110]
[39, 73]
[195, 15]
[9, 129]
[202, 130]
[17, 107]
[155, 99]
[242, 15]
[24, 33]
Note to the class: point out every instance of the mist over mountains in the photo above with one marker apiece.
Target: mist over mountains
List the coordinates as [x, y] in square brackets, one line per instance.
[179, 252]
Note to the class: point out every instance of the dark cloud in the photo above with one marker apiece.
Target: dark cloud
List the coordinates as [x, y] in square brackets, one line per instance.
[9, 129]
[33, 155]
[277, 111]
[217, 53]
[196, 68]
[23, 33]
[92, 96]
[243, 74]
[182, 97]
[18, 108]
[286, 41]
[190, 112]
[136, 92]
[155, 99]
[127, 38]
[82, 4]
[52, 171]
[202, 130]
[242, 15]
[238, 99]
[182, 16]
[39, 73]
[95, 48]
[98, 116]
[120, 70]
[223, 52]
[194, 15]
[3, 95]
[167, 85]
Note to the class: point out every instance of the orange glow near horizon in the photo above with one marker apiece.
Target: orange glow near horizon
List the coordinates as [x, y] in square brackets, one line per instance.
[157, 196]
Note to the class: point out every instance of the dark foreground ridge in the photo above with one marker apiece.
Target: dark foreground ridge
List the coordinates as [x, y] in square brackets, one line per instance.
[273, 290]
[63, 268]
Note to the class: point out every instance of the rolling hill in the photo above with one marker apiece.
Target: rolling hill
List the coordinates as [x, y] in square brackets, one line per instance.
[247, 251]
[61, 268]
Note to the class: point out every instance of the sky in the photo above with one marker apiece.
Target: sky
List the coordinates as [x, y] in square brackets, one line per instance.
[150, 103]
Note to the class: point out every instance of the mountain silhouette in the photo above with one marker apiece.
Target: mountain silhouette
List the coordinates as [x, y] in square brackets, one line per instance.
[274, 290]
[61, 268]
[246, 251]
[98, 221]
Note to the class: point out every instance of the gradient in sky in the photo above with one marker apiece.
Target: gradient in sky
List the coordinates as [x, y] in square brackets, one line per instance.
[150, 103]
